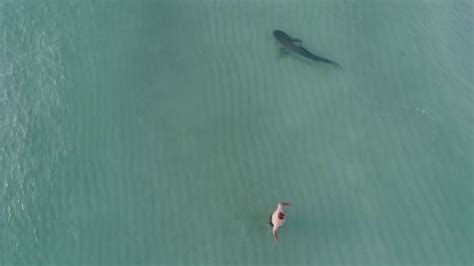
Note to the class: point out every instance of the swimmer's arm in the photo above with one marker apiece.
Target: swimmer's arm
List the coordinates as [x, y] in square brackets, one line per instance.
[281, 205]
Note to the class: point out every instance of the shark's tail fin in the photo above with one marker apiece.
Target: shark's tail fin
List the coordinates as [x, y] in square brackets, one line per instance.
[337, 65]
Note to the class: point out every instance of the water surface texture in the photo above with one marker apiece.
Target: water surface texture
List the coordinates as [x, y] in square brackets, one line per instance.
[165, 132]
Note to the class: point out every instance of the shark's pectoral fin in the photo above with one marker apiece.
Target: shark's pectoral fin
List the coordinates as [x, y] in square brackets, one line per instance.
[297, 40]
[283, 52]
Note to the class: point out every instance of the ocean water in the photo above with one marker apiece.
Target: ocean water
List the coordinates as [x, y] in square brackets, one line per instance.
[164, 132]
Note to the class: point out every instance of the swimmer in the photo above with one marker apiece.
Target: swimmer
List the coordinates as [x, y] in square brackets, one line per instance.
[278, 218]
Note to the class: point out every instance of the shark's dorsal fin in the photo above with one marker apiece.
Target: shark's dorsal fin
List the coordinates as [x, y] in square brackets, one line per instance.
[296, 40]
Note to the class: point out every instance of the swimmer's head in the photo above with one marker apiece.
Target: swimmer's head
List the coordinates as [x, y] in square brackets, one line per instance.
[281, 216]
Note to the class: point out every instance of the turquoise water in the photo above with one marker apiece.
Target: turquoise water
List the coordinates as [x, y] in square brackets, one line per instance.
[165, 132]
